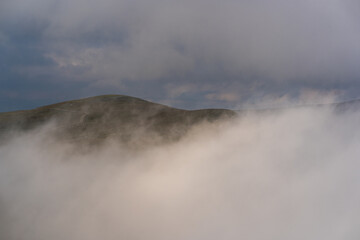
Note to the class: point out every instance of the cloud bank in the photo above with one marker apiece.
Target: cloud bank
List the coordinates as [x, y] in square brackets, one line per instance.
[285, 175]
[271, 48]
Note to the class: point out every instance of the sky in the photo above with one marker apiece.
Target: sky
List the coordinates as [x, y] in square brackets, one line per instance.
[186, 54]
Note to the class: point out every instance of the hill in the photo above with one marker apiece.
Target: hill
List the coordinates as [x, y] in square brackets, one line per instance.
[126, 118]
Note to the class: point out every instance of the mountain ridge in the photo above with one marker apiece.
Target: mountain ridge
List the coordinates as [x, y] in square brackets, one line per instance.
[126, 118]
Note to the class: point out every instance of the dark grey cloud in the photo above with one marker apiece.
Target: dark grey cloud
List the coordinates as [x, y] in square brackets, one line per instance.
[209, 52]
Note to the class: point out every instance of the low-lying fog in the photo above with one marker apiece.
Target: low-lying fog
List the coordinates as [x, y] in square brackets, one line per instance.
[285, 176]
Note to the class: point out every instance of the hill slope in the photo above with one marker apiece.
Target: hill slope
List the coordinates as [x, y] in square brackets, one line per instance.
[97, 118]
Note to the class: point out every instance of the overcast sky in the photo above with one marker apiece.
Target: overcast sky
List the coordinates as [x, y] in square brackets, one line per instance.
[189, 54]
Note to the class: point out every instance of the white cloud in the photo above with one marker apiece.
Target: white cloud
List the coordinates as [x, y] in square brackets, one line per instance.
[292, 175]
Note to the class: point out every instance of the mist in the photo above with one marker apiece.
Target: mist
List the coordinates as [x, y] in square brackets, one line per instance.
[290, 174]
